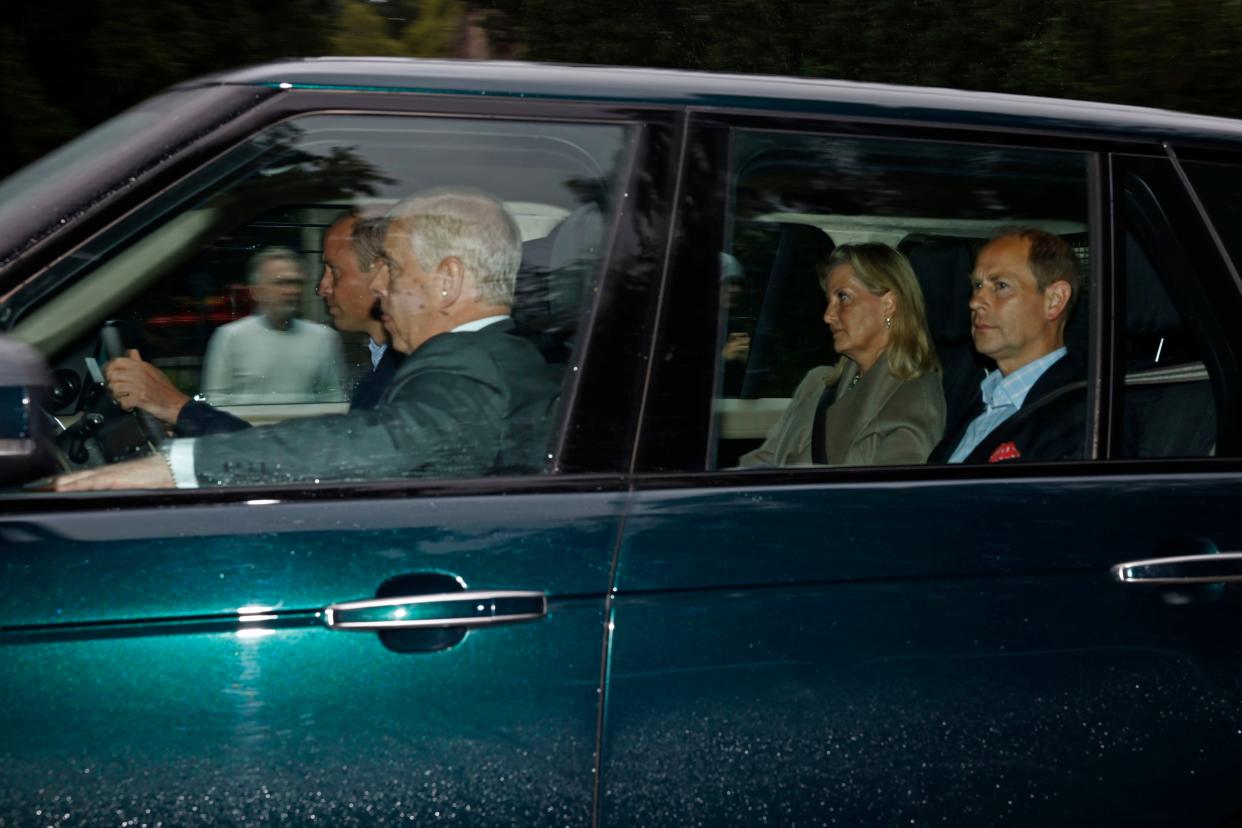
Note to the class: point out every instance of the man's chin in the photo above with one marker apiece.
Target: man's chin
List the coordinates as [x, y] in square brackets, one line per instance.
[984, 342]
[396, 341]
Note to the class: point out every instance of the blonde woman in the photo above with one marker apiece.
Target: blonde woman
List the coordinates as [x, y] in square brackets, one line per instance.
[882, 403]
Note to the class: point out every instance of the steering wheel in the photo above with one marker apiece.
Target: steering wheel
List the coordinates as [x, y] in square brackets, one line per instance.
[105, 432]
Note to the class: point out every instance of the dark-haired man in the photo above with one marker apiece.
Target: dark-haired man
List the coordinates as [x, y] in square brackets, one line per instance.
[349, 248]
[1023, 288]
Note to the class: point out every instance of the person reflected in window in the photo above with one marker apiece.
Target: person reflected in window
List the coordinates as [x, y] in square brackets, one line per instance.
[472, 397]
[350, 245]
[1023, 288]
[882, 403]
[271, 356]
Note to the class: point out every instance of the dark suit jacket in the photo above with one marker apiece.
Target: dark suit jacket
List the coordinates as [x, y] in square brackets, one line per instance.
[198, 419]
[462, 405]
[1056, 430]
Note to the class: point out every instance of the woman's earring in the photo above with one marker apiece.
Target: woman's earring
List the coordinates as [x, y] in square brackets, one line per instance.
[888, 321]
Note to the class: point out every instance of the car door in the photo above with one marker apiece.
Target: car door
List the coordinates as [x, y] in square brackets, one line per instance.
[244, 654]
[933, 644]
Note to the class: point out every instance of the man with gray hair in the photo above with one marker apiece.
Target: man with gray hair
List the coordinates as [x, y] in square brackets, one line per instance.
[271, 357]
[472, 397]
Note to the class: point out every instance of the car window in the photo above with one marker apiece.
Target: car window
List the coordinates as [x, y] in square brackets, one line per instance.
[1219, 188]
[1178, 371]
[800, 202]
[216, 282]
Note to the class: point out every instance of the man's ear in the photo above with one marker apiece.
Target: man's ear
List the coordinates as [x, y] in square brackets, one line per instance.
[1056, 300]
[451, 277]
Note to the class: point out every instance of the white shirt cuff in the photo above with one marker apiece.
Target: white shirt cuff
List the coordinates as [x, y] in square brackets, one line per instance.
[181, 463]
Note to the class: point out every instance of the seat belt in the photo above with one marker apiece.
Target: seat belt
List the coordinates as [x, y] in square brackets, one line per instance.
[819, 433]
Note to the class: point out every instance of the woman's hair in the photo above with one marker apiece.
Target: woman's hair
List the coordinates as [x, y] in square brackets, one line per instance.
[881, 269]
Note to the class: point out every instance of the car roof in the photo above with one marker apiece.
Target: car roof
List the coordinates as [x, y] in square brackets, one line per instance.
[708, 90]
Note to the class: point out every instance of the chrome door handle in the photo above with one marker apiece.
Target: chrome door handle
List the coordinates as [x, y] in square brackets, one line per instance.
[462, 610]
[1219, 568]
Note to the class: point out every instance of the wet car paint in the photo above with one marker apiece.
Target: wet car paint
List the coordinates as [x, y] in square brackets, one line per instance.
[165, 682]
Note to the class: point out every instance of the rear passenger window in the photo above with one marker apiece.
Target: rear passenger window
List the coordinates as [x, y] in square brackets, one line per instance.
[1169, 409]
[1219, 187]
[1179, 373]
[794, 333]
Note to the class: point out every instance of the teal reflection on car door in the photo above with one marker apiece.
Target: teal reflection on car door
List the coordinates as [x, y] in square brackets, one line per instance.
[174, 664]
[885, 654]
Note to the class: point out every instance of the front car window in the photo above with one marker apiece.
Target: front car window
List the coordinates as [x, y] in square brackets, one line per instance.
[216, 283]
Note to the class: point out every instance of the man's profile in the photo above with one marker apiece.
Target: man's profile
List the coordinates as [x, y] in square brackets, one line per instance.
[350, 244]
[472, 397]
[1023, 289]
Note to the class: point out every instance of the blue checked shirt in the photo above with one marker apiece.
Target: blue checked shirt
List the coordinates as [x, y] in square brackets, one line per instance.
[1002, 397]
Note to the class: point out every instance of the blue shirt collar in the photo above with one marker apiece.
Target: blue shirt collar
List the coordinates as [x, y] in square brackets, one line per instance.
[377, 352]
[1000, 391]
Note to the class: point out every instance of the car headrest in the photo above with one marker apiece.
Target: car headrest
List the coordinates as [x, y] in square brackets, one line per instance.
[789, 332]
[1149, 309]
[943, 269]
[556, 272]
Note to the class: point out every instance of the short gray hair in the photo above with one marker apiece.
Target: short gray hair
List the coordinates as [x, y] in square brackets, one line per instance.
[471, 225]
[270, 254]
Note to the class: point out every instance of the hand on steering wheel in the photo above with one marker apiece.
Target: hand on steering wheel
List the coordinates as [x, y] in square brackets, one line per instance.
[136, 384]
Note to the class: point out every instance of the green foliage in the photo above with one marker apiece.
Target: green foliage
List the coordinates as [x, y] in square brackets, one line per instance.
[428, 29]
[363, 31]
[71, 64]
[435, 31]
[1170, 53]
[66, 66]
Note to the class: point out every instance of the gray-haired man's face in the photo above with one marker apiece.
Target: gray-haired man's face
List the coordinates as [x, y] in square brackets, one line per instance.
[408, 294]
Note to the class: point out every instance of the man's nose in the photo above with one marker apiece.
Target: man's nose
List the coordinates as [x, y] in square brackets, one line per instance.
[324, 288]
[379, 283]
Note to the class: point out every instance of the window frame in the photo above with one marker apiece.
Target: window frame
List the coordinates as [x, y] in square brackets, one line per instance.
[597, 425]
[676, 442]
[1170, 208]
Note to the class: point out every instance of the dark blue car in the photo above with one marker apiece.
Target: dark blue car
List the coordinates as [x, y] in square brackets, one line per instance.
[643, 632]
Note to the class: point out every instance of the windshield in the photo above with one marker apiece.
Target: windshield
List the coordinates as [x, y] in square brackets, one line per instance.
[55, 189]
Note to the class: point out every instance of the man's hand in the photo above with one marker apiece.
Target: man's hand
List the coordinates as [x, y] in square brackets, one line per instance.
[737, 346]
[138, 384]
[148, 473]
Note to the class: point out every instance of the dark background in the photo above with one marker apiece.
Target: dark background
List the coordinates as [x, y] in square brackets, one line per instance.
[66, 65]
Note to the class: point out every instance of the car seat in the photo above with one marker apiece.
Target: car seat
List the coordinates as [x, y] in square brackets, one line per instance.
[789, 336]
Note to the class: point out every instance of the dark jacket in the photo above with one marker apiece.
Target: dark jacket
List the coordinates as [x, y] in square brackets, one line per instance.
[1050, 425]
[198, 419]
[462, 405]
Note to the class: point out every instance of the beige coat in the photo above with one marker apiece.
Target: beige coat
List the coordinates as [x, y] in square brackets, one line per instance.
[882, 421]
